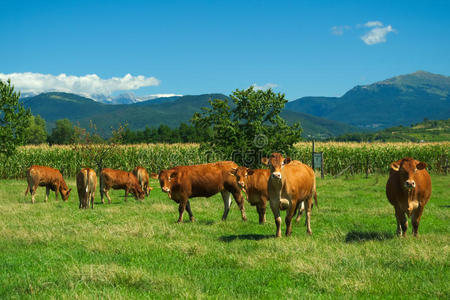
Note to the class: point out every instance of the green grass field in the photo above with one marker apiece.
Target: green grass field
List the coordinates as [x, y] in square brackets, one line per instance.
[136, 250]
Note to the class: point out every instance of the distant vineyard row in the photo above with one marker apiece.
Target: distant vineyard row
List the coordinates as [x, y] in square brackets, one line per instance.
[357, 157]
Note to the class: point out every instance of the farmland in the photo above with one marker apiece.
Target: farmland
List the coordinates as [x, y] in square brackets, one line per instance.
[136, 250]
[357, 157]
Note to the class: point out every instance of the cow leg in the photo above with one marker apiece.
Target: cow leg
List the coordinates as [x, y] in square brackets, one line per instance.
[402, 222]
[47, 192]
[181, 208]
[107, 196]
[226, 197]
[261, 209]
[126, 194]
[92, 200]
[275, 206]
[300, 208]
[289, 215]
[415, 219]
[33, 193]
[308, 208]
[240, 202]
[188, 208]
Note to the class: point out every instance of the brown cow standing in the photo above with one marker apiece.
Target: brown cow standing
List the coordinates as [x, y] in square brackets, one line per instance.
[290, 184]
[48, 177]
[119, 180]
[143, 178]
[254, 183]
[408, 189]
[205, 180]
[86, 185]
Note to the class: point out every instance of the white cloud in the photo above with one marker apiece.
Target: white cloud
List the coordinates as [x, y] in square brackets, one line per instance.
[339, 30]
[377, 35]
[264, 87]
[373, 24]
[87, 85]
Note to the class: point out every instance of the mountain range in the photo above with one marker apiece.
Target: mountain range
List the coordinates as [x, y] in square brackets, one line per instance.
[400, 100]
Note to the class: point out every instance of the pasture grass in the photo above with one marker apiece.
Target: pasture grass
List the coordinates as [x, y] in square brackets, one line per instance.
[136, 250]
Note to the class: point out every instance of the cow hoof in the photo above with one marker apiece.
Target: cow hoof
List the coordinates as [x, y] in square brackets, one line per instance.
[192, 219]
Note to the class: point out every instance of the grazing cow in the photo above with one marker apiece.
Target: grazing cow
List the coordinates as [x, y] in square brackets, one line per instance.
[205, 180]
[408, 189]
[290, 184]
[48, 177]
[254, 183]
[119, 180]
[143, 178]
[86, 185]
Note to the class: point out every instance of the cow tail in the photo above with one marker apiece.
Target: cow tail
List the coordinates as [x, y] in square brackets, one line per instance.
[315, 194]
[87, 180]
[315, 199]
[101, 186]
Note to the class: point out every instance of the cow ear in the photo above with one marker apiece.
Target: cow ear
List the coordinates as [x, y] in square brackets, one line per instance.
[395, 166]
[265, 161]
[250, 172]
[233, 171]
[421, 165]
[287, 160]
[154, 176]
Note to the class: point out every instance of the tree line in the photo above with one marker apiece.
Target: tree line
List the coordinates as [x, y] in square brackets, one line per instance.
[65, 132]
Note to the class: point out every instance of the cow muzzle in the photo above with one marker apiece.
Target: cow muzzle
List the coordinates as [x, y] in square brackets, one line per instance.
[165, 189]
[410, 184]
[276, 175]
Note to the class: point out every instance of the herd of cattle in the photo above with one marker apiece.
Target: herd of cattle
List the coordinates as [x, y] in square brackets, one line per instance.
[288, 185]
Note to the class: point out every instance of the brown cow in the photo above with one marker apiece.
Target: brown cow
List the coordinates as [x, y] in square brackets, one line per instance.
[205, 180]
[408, 189]
[254, 183]
[143, 178]
[86, 185]
[48, 177]
[290, 184]
[119, 180]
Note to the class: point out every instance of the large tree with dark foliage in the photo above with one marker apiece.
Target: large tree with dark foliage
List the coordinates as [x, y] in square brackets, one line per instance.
[14, 119]
[247, 128]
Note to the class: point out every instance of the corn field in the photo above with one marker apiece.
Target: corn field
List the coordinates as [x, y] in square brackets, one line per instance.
[356, 157]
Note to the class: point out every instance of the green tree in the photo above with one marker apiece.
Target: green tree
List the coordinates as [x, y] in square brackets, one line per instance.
[249, 128]
[14, 119]
[63, 133]
[36, 133]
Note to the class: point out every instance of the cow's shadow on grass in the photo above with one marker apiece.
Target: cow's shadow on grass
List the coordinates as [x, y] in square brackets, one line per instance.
[251, 237]
[359, 236]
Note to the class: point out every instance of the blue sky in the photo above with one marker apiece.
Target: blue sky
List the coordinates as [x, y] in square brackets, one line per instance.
[302, 48]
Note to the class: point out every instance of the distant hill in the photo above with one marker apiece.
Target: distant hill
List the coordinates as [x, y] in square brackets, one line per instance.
[401, 100]
[170, 111]
[427, 131]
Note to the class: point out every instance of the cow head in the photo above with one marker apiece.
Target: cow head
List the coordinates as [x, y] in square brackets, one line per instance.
[166, 178]
[136, 188]
[241, 174]
[407, 168]
[65, 193]
[276, 162]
